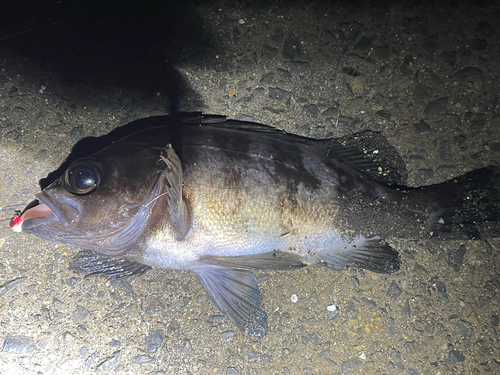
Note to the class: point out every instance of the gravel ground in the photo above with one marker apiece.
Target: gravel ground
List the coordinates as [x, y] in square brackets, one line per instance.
[424, 74]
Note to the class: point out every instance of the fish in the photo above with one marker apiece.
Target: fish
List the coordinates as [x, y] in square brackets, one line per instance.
[223, 198]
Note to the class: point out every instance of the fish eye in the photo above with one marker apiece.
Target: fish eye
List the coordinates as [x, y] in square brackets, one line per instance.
[82, 177]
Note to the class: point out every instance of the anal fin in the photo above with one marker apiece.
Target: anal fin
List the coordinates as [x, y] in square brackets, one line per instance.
[373, 254]
[236, 294]
[93, 264]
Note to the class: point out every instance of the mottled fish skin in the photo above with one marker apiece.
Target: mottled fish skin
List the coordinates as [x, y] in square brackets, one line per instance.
[222, 198]
[262, 194]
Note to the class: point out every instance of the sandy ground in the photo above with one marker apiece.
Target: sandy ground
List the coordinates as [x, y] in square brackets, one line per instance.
[424, 75]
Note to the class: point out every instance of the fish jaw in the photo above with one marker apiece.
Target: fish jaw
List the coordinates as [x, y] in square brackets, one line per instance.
[49, 214]
[66, 211]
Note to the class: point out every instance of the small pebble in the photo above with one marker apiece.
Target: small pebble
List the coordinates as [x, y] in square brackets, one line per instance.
[436, 107]
[464, 329]
[90, 359]
[456, 356]
[311, 109]
[299, 66]
[73, 281]
[108, 362]
[275, 93]
[409, 347]
[115, 343]
[68, 337]
[187, 346]
[422, 126]
[494, 320]
[252, 354]
[369, 302]
[18, 344]
[384, 113]
[77, 132]
[140, 359]
[394, 291]
[267, 79]
[350, 307]
[80, 313]
[227, 335]
[390, 328]
[123, 284]
[153, 341]
[441, 290]
[406, 310]
[355, 281]
[11, 284]
[294, 298]
[393, 353]
[456, 258]
[331, 111]
[81, 329]
[469, 73]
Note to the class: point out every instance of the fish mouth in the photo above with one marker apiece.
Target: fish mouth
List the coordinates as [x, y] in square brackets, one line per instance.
[44, 211]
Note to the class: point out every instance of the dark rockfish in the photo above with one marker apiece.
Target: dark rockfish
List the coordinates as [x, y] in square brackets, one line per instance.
[222, 198]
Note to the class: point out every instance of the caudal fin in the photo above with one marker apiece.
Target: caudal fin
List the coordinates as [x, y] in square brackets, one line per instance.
[467, 206]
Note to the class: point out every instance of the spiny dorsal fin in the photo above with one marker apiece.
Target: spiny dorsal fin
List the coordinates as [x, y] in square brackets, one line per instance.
[368, 152]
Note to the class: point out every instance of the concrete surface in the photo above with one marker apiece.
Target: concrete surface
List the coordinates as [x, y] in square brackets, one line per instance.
[425, 74]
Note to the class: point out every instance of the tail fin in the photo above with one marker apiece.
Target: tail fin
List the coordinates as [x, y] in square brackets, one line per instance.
[467, 207]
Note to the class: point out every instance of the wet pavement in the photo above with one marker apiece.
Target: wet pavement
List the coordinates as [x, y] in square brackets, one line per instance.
[425, 75]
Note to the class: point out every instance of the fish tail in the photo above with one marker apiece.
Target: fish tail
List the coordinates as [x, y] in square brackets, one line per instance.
[466, 207]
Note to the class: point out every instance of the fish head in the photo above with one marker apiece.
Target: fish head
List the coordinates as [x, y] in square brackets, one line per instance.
[101, 202]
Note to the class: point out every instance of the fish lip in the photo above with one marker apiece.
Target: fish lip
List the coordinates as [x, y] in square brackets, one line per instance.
[45, 198]
[34, 222]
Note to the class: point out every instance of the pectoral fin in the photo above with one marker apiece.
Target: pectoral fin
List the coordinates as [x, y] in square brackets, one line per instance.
[272, 260]
[236, 294]
[94, 264]
[178, 208]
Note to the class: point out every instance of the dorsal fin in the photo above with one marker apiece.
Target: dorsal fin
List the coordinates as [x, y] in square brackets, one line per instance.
[369, 152]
